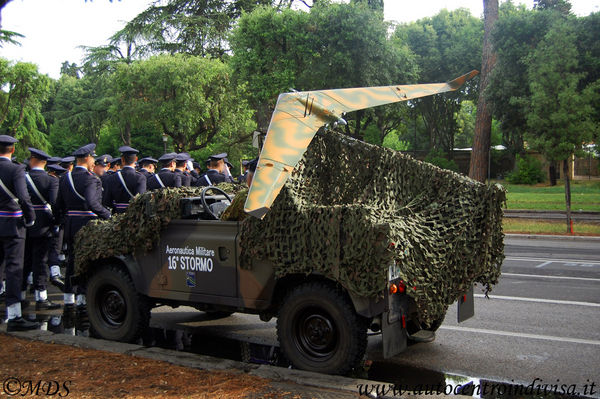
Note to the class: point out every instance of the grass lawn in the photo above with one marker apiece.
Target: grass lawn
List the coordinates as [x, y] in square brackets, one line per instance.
[585, 196]
[532, 226]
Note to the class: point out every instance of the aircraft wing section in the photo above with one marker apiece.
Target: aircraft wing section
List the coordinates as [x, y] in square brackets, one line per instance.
[290, 132]
[347, 100]
[299, 115]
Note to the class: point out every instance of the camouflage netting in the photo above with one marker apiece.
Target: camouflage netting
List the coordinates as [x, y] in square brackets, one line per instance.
[139, 227]
[348, 210]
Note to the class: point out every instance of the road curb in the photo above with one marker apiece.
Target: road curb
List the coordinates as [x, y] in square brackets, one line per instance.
[553, 237]
[344, 385]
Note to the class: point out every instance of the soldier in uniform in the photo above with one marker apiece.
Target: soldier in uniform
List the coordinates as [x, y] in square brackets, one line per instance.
[181, 169]
[125, 184]
[67, 162]
[55, 242]
[147, 166]
[216, 171]
[16, 213]
[227, 172]
[166, 177]
[101, 165]
[115, 165]
[80, 200]
[53, 161]
[242, 178]
[43, 190]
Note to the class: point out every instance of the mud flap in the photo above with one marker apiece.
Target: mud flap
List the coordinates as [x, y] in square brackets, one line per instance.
[466, 306]
[393, 332]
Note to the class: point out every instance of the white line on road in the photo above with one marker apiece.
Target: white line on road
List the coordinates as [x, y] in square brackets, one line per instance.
[554, 301]
[544, 264]
[551, 277]
[522, 335]
[587, 262]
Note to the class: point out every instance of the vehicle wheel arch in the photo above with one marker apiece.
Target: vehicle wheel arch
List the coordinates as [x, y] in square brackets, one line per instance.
[286, 283]
[125, 262]
[365, 306]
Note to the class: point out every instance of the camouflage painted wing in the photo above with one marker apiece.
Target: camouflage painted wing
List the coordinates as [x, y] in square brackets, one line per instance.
[299, 115]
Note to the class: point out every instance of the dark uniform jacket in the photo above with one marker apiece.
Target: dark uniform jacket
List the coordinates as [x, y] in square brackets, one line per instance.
[79, 211]
[48, 188]
[146, 173]
[12, 224]
[212, 178]
[186, 179]
[168, 179]
[115, 195]
[106, 176]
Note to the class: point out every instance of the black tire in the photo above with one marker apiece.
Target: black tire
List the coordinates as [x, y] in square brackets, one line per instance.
[115, 310]
[319, 330]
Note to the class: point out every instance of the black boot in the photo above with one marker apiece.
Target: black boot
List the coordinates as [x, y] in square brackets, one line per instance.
[46, 305]
[20, 324]
[58, 282]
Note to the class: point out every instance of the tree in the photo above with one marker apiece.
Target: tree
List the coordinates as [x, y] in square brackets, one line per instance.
[196, 27]
[478, 167]
[70, 69]
[270, 48]
[21, 103]
[560, 114]
[190, 99]
[515, 36]
[446, 45]
[588, 46]
[332, 46]
[79, 111]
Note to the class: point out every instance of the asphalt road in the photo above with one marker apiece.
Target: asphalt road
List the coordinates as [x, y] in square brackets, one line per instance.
[541, 321]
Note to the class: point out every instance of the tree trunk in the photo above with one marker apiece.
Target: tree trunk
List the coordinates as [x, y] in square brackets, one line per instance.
[552, 172]
[479, 164]
[127, 134]
[567, 192]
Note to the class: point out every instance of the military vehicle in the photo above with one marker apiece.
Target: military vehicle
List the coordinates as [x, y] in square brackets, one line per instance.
[345, 238]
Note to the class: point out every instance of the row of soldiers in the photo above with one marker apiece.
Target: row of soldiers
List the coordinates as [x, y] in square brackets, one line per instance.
[34, 204]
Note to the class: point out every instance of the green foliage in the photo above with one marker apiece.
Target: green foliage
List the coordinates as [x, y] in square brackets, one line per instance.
[446, 45]
[439, 159]
[190, 99]
[9, 37]
[528, 171]
[393, 141]
[465, 120]
[334, 45]
[517, 33]
[78, 112]
[24, 90]
[183, 26]
[560, 114]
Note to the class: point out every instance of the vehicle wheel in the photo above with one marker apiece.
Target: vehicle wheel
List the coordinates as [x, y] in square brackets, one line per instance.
[319, 330]
[115, 310]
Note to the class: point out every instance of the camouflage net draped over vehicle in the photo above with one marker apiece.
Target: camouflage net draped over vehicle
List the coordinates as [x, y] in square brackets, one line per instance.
[351, 208]
[138, 228]
[338, 215]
